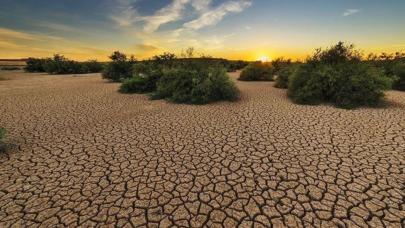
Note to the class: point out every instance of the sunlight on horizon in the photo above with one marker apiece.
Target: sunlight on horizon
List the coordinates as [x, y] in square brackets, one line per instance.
[264, 59]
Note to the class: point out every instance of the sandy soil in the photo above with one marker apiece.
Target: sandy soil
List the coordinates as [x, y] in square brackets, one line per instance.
[86, 155]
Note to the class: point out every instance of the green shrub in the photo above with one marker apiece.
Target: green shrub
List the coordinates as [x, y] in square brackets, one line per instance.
[92, 66]
[279, 64]
[144, 80]
[232, 66]
[387, 62]
[61, 65]
[135, 85]
[309, 84]
[399, 72]
[35, 65]
[337, 75]
[2, 135]
[119, 68]
[283, 76]
[187, 80]
[257, 71]
[182, 85]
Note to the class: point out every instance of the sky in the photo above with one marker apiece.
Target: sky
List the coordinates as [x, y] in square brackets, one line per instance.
[233, 29]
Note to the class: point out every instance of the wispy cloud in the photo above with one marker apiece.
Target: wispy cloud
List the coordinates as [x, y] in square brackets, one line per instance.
[214, 16]
[349, 12]
[201, 5]
[9, 34]
[16, 43]
[14, 34]
[126, 14]
[169, 13]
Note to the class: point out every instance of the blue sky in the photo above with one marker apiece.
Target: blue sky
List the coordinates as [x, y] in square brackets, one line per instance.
[237, 29]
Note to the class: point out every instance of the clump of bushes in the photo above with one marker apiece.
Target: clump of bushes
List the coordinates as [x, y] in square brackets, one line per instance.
[181, 81]
[399, 72]
[283, 76]
[279, 64]
[257, 71]
[337, 75]
[119, 68]
[61, 65]
[36, 65]
[393, 66]
[182, 85]
[144, 79]
[2, 135]
[232, 66]
[92, 66]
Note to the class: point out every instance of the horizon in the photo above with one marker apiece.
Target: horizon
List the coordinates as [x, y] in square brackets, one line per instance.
[232, 29]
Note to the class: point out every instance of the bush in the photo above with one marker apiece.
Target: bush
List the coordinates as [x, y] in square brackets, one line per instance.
[338, 76]
[134, 85]
[119, 68]
[182, 85]
[92, 66]
[257, 71]
[279, 64]
[399, 72]
[2, 135]
[144, 80]
[61, 65]
[387, 62]
[187, 80]
[34, 65]
[283, 76]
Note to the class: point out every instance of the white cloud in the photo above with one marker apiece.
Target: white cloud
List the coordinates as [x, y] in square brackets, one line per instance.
[214, 16]
[127, 15]
[201, 5]
[169, 13]
[350, 12]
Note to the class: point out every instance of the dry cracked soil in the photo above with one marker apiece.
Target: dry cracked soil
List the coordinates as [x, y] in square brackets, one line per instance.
[83, 154]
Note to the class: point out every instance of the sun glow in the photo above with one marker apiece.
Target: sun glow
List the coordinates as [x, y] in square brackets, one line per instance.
[263, 58]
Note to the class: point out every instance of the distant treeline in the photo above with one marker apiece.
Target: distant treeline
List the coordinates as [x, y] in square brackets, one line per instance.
[59, 64]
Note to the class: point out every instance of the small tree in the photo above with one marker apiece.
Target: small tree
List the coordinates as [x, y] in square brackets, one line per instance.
[119, 68]
[166, 59]
[257, 71]
[34, 65]
[280, 63]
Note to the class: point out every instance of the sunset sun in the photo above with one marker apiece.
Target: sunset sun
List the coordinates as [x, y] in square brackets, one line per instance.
[263, 58]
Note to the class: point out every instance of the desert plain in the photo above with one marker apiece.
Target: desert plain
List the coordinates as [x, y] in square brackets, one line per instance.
[82, 154]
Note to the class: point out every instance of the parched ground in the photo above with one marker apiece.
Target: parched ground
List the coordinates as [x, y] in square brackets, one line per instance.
[86, 155]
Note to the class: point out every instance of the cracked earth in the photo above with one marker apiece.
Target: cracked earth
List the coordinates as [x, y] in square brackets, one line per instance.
[82, 154]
